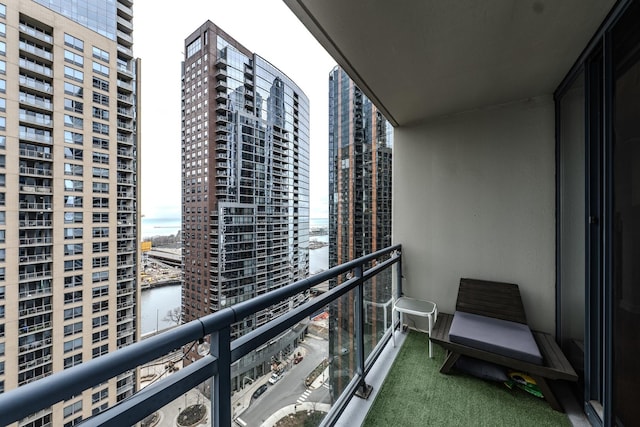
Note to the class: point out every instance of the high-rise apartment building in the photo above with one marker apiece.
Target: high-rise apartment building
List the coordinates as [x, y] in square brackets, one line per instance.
[68, 195]
[245, 184]
[360, 147]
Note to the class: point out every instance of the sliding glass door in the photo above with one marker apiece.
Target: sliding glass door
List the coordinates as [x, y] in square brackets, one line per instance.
[598, 238]
[625, 219]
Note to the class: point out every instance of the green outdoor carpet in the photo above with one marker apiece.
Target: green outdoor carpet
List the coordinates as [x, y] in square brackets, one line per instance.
[415, 393]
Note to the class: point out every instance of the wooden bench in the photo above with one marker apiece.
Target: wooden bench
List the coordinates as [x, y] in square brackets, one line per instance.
[502, 301]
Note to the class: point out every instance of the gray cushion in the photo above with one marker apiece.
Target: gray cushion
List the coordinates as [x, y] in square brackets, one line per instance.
[498, 336]
[482, 369]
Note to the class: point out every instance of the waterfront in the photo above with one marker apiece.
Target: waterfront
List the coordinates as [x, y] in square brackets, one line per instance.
[151, 227]
[156, 302]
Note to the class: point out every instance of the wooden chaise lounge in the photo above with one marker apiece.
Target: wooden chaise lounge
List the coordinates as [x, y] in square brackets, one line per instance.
[490, 325]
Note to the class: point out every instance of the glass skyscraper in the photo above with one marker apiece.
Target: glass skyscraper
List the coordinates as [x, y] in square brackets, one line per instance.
[360, 148]
[68, 195]
[245, 184]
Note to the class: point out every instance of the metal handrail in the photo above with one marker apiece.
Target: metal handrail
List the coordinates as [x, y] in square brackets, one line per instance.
[22, 401]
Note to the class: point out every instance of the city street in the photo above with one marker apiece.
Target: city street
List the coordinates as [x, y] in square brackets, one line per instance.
[290, 390]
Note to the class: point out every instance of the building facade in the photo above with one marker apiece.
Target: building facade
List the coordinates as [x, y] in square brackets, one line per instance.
[68, 195]
[245, 181]
[360, 148]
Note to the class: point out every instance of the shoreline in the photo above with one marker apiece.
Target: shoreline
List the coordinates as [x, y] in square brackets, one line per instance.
[160, 284]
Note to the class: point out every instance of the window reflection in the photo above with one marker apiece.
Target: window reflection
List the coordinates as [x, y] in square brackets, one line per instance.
[97, 15]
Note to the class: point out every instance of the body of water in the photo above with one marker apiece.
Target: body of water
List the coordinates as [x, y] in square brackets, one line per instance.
[155, 303]
[318, 222]
[319, 258]
[151, 227]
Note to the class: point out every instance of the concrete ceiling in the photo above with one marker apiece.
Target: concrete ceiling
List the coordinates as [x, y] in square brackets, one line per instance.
[419, 59]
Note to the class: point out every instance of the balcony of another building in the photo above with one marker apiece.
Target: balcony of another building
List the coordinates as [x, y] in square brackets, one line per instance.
[125, 52]
[36, 30]
[125, 10]
[125, 125]
[125, 98]
[37, 67]
[34, 101]
[124, 86]
[125, 39]
[36, 84]
[124, 25]
[37, 51]
[38, 254]
[35, 219]
[33, 202]
[125, 165]
[33, 134]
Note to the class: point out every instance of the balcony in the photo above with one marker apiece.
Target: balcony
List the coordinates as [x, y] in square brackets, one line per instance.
[35, 33]
[36, 171]
[35, 67]
[370, 353]
[36, 101]
[124, 85]
[35, 118]
[125, 139]
[35, 154]
[126, 112]
[125, 98]
[125, 39]
[124, 24]
[125, 11]
[226, 355]
[35, 50]
[127, 125]
[125, 51]
[438, 397]
[36, 84]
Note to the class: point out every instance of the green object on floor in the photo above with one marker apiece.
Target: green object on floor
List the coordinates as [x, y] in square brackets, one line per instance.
[415, 393]
[525, 382]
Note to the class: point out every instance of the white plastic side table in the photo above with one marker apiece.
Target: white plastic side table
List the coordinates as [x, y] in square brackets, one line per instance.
[416, 307]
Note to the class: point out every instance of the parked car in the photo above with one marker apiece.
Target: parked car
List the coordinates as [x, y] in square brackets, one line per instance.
[259, 391]
[298, 359]
[274, 379]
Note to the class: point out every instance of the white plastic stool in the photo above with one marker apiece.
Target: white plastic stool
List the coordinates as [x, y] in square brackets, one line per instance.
[416, 307]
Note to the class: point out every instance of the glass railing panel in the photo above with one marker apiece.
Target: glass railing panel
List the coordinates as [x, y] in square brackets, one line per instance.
[342, 343]
[285, 377]
[192, 408]
[377, 306]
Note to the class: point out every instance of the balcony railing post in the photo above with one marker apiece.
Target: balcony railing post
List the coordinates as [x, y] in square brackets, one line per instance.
[399, 274]
[363, 388]
[221, 393]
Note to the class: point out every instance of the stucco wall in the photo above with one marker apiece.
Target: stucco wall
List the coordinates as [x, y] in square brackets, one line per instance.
[474, 196]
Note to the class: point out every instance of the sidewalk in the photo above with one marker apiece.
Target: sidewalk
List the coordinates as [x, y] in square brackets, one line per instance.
[292, 409]
[321, 379]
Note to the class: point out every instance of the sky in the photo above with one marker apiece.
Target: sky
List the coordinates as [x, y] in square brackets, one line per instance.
[266, 27]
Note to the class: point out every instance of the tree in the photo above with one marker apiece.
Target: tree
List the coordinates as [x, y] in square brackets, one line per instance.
[174, 315]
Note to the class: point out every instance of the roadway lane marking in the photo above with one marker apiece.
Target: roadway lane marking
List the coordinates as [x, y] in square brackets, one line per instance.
[304, 396]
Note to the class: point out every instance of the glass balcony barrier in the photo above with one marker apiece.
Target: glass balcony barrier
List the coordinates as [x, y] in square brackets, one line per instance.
[307, 345]
[35, 32]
